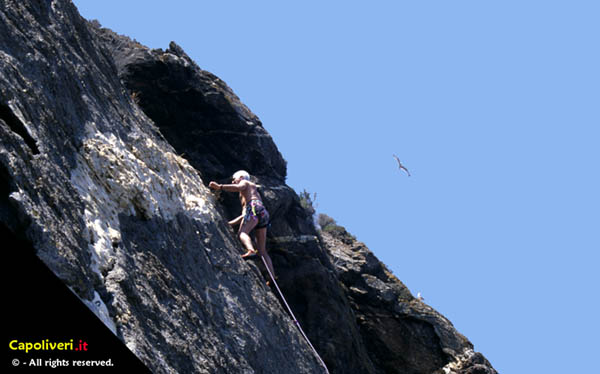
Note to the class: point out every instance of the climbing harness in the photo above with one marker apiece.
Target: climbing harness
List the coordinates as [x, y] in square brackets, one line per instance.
[292, 315]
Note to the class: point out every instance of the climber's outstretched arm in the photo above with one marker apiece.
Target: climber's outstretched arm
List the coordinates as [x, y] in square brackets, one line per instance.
[239, 187]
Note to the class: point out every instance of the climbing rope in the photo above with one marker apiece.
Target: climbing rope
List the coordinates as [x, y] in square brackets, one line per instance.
[293, 316]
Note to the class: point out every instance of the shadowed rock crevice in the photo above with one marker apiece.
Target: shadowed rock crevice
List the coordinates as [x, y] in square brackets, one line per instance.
[15, 124]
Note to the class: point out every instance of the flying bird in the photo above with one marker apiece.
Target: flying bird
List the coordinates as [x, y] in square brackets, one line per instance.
[402, 167]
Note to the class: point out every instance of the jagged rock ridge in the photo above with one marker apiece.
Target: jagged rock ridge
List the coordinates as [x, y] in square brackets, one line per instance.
[106, 150]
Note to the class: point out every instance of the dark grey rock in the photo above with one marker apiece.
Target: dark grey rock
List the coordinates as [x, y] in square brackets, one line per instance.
[401, 333]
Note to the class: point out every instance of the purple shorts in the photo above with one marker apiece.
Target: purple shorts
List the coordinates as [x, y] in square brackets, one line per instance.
[255, 210]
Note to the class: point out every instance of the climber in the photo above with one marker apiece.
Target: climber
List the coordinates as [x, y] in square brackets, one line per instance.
[254, 215]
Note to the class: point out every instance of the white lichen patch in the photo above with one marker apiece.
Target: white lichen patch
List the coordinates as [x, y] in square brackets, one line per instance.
[456, 365]
[143, 179]
[139, 178]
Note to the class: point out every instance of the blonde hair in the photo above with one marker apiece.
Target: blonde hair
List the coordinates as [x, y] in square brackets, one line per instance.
[241, 174]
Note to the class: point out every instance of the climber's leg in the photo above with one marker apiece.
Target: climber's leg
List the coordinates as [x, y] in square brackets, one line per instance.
[244, 235]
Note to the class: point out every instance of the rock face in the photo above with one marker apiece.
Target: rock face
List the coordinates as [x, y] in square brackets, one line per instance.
[106, 150]
[402, 334]
[117, 215]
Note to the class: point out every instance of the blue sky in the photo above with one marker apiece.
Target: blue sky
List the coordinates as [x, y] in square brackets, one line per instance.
[492, 106]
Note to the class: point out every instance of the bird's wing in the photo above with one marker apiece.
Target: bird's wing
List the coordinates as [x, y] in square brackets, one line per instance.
[401, 166]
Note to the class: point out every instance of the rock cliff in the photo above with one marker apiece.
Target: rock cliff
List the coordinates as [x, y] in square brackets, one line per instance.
[106, 150]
